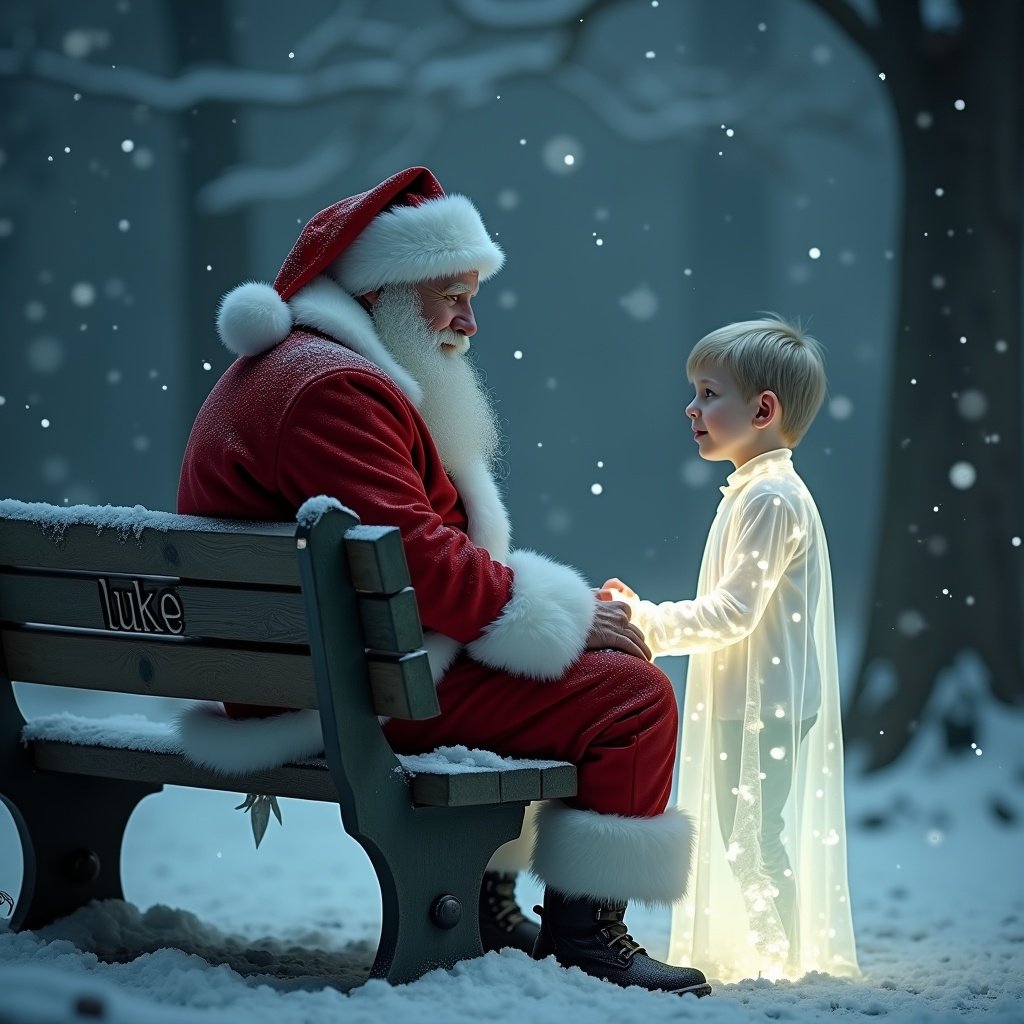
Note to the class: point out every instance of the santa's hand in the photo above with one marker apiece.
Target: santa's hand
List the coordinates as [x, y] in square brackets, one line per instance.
[612, 630]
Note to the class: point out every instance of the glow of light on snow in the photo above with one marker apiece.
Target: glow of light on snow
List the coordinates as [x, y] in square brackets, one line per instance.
[963, 340]
[777, 753]
[596, 488]
[910, 622]
[796, 616]
[562, 154]
[44, 423]
[207, 366]
[913, 380]
[1015, 542]
[814, 252]
[650, 55]
[508, 199]
[960, 105]
[598, 241]
[780, 712]
[522, 142]
[776, 660]
[962, 475]
[127, 146]
[840, 408]
[83, 294]
[67, 149]
[723, 756]
[641, 303]
[291, 55]
[518, 354]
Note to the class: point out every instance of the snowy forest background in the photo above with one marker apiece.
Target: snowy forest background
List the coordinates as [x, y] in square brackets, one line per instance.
[652, 170]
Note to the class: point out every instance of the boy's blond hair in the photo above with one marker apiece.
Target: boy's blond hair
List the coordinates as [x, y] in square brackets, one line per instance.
[770, 354]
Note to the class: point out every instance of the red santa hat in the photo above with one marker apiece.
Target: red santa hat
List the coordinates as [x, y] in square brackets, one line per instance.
[403, 231]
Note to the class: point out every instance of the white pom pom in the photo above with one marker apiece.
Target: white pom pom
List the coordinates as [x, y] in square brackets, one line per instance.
[253, 318]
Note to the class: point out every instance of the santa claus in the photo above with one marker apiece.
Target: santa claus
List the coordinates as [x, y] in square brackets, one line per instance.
[352, 381]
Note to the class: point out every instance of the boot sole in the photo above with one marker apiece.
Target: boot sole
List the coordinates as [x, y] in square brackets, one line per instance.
[694, 990]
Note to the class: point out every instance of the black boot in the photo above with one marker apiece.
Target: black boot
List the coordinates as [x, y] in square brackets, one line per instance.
[592, 936]
[502, 923]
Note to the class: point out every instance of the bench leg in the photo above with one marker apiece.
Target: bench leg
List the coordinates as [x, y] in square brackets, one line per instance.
[430, 886]
[71, 828]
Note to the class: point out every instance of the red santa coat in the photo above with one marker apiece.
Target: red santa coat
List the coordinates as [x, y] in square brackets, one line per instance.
[327, 421]
[329, 411]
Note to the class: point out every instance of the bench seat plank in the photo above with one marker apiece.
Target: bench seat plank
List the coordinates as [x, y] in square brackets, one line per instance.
[309, 780]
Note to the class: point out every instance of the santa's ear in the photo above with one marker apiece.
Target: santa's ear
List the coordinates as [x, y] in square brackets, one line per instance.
[769, 409]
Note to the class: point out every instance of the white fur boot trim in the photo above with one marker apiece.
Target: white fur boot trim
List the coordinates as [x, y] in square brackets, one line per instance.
[234, 746]
[612, 857]
[543, 628]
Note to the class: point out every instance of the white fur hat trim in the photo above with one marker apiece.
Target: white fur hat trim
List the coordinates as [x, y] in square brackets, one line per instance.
[409, 244]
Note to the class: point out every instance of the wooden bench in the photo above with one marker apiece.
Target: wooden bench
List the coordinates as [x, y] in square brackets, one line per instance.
[318, 614]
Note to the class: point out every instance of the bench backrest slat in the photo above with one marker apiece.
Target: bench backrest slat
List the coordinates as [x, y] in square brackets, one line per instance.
[160, 667]
[220, 550]
[90, 601]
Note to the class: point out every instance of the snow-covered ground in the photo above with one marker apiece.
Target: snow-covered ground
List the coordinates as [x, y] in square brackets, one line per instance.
[216, 931]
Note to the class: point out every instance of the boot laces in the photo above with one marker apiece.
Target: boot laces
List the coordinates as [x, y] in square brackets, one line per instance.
[616, 933]
[501, 901]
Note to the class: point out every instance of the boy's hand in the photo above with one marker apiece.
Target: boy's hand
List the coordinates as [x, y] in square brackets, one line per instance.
[613, 630]
[608, 591]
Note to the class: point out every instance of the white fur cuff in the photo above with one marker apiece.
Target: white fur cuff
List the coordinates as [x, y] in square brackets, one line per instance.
[543, 628]
[612, 857]
[234, 746]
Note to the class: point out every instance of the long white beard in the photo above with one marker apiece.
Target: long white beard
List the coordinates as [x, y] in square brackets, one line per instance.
[456, 405]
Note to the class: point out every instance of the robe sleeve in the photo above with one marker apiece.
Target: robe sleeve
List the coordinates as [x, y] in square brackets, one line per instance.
[760, 544]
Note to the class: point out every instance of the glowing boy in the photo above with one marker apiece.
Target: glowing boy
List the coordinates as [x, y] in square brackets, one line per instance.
[761, 750]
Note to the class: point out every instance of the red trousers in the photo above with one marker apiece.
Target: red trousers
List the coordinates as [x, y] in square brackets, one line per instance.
[611, 714]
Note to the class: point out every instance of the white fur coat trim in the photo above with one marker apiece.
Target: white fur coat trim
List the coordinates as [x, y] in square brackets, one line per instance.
[325, 305]
[543, 628]
[231, 746]
[408, 244]
[613, 857]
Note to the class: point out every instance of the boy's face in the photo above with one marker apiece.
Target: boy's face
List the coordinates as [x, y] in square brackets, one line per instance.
[724, 423]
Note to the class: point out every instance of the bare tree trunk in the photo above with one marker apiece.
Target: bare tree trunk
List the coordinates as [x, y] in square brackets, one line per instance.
[948, 577]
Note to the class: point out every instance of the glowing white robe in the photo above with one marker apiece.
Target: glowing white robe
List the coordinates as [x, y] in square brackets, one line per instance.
[762, 674]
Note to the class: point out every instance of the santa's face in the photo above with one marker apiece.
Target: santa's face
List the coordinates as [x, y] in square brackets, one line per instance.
[446, 304]
[430, 343]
